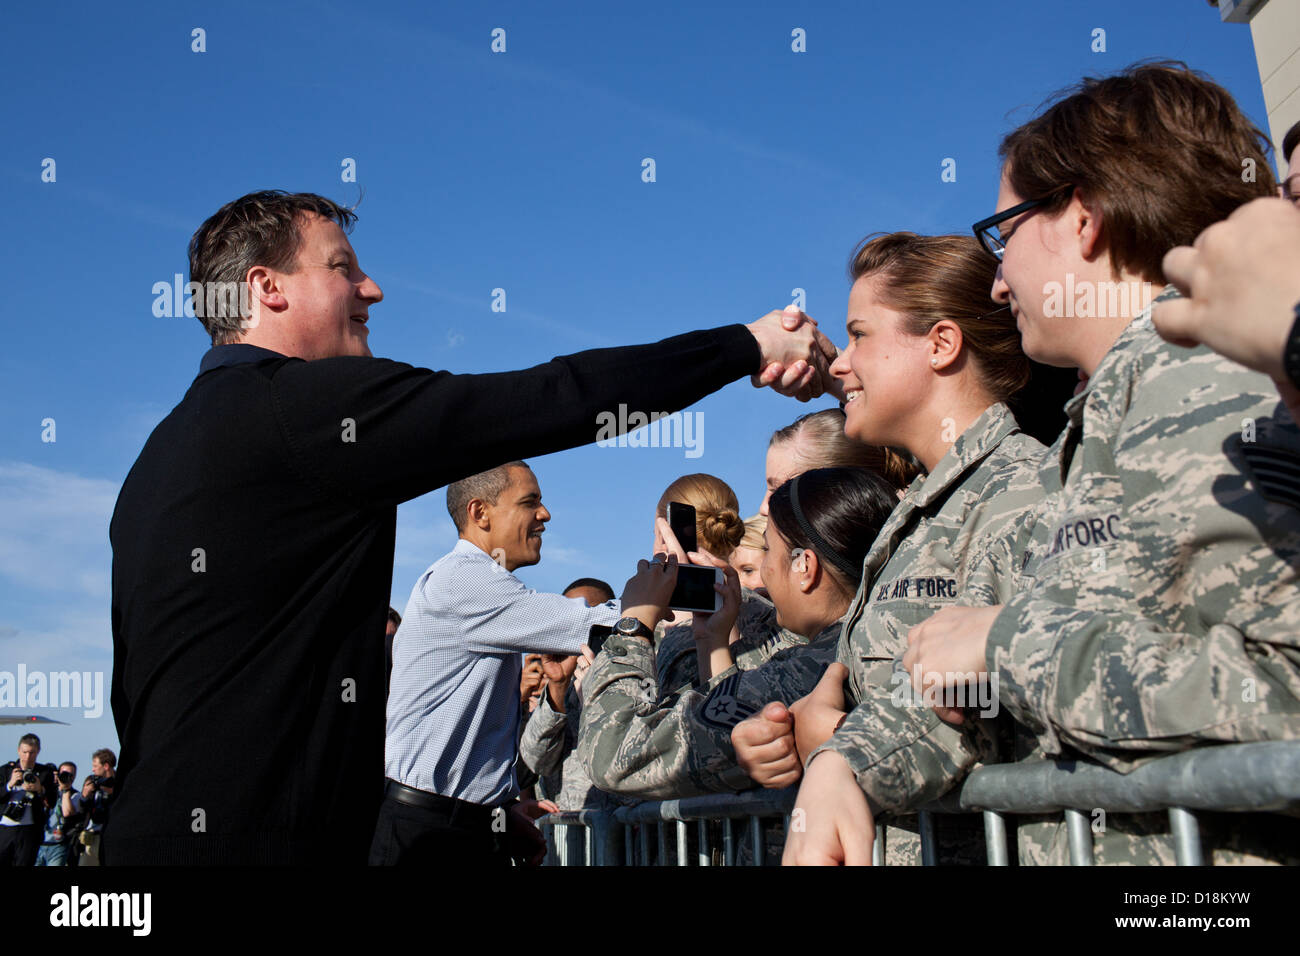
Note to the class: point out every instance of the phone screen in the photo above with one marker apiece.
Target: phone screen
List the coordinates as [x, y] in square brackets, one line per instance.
[681, 518]
[694, 589]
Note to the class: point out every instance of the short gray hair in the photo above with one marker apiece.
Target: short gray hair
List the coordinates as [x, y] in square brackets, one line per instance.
[486, 486]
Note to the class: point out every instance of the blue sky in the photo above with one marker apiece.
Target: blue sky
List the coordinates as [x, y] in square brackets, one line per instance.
[518, 170]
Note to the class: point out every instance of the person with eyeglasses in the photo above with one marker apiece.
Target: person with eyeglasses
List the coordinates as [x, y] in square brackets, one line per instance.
[1158, 603]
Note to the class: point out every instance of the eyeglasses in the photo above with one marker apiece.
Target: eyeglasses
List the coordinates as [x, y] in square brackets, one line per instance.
[986, 229]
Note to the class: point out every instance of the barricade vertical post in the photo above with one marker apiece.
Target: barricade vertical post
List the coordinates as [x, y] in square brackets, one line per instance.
[1080, 838]
[1187, 837]
[681, 844]
[661, 844]
[702, 828]
[756, 839]
[929, 846]
[995, 838]
[728, 843]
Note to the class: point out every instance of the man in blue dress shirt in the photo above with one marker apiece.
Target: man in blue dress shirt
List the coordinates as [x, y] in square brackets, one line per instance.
[453, 705]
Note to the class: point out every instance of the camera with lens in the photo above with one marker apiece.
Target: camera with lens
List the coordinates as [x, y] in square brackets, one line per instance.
[65, 778]
[101, 783]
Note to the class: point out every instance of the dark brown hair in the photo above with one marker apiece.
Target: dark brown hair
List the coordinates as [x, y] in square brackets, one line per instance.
[1160, 148]
[844, 507]
[1289, 142]
[930, 278]
[260, 229]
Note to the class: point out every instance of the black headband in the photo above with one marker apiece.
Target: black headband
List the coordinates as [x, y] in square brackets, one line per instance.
[821, 547]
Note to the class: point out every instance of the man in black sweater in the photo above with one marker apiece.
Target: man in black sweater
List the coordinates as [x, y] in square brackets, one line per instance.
[253, 538]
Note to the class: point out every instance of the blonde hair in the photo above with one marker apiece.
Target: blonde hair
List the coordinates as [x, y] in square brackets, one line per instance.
[818, 441]
[718, 527]
[754, 529]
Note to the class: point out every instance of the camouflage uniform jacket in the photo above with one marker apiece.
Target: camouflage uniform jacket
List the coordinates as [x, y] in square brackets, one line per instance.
[941, 546]
[634, 743]
[1135, 481]
[1160, 607]
[548, 748]
[549, 739]
[760, 638]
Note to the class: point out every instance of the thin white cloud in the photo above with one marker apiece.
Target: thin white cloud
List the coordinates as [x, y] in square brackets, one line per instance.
[54, 531]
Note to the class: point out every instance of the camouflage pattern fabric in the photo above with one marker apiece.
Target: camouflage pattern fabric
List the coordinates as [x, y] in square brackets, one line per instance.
[1167, 534]
[944, 544]
[761, 637]
[634, 743]
[548, 749]
[1160, 603]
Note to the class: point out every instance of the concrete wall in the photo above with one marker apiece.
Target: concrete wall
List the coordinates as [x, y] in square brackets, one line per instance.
[1275, 28]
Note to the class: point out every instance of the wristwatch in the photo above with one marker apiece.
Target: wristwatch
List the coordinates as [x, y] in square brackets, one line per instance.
[1291, 355]
[631, 627]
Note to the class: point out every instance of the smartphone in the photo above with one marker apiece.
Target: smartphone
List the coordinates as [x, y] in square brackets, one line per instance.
[681, 518]
[694, 589]
[596, 637]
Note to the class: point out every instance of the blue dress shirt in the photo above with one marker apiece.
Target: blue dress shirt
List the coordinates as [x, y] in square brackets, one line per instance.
[453, 704]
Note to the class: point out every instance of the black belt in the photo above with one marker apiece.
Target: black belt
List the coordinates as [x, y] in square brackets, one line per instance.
[451, 806]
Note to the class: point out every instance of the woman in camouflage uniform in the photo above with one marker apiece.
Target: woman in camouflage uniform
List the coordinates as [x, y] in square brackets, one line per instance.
[1158, 604]
[930, 364]
[634, 742]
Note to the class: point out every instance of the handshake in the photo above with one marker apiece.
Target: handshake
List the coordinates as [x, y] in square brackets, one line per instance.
[796, 355]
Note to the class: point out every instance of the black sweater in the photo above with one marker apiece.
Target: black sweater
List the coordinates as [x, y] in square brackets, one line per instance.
[252, 562]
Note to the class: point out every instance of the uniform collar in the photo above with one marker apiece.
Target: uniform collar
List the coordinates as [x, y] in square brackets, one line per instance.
[973, 445]
[240, 353]
[1140, 325]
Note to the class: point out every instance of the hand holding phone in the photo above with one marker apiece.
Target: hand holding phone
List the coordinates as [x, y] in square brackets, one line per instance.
[713, 626]
[646, 594]
[681, 519]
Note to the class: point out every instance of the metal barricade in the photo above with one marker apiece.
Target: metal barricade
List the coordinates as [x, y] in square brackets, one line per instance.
[1241, 778]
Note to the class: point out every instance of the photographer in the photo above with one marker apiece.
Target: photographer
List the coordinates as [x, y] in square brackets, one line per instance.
[30, 796]
[96, 798]
[62, 821]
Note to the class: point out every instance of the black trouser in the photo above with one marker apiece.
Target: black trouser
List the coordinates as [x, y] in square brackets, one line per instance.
[19, 845]
[424, 829]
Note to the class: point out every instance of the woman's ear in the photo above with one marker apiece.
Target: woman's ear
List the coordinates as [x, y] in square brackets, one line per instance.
[807, 570]
[1086, 219]
[943, 343]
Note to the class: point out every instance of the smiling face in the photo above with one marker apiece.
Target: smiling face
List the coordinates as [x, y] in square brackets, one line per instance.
[1035, 255]
[517, 521]
[884, 370]
[320, 309]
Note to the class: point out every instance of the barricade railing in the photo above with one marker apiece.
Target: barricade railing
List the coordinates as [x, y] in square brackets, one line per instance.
[1241, 778]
